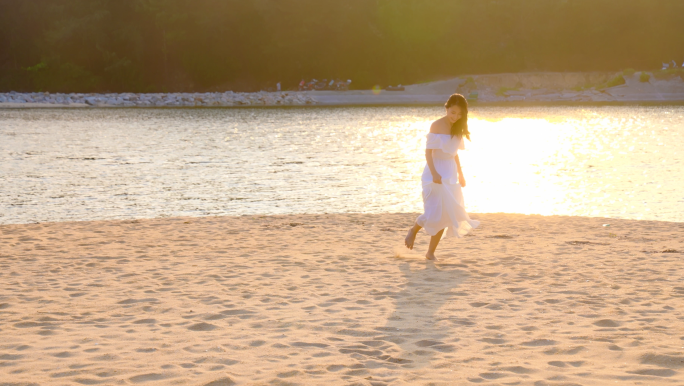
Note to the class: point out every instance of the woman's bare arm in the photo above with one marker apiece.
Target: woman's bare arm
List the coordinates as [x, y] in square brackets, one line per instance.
[461, 179]
[436, 178]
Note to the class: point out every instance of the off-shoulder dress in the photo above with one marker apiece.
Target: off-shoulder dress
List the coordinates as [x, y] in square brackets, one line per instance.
[443, 203]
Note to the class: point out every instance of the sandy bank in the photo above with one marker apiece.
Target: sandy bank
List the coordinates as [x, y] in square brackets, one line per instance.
[325, 299]
[523, 87]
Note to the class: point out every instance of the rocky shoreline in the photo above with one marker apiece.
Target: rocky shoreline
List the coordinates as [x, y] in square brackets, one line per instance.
[228, 98]
[589, 87]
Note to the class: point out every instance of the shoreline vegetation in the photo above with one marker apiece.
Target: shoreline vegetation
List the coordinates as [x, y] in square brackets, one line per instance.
[587, 87]
[146, 46]
[522, 300]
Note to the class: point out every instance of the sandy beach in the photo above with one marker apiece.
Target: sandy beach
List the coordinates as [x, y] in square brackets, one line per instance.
[521, 88]
[336, 299]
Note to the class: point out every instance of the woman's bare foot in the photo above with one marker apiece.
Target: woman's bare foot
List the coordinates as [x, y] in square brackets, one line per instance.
[430, 256]
[410, 237]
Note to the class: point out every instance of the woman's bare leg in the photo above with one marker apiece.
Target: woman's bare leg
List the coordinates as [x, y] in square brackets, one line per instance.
[434, 240]
[411, 236]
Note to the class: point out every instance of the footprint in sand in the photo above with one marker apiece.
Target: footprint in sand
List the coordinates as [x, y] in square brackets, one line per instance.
[539, 342]
[148, 377]
[10, 357]
[427, 343]
[606, 323]
[289, 374]
[654, 372]
[145, 321]
[663, 360]
[493, 340]
[202, 327]
[305, 344]
[518, 370]
[225, 381]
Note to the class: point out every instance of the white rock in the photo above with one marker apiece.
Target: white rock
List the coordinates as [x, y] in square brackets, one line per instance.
[227, 98]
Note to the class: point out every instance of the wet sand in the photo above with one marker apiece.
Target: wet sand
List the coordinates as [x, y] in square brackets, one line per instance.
[336, 299]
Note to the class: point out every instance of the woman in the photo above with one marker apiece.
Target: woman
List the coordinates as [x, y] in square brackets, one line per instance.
[443, 178]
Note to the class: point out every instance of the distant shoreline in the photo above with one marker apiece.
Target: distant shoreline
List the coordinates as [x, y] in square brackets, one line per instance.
[496, 89]
[11, 106]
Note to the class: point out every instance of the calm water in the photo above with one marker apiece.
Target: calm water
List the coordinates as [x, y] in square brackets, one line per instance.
[57, 165]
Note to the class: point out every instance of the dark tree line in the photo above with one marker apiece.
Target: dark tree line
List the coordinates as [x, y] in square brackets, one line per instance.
[183, 45]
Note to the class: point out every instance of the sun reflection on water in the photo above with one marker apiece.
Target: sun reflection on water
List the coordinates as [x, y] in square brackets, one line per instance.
[506, 169]
[595, 162]
[618, 161]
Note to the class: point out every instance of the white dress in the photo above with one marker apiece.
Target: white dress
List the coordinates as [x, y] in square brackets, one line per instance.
[443, 203]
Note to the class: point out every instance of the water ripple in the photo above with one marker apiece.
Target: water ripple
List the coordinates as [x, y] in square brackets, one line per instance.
[58, 165]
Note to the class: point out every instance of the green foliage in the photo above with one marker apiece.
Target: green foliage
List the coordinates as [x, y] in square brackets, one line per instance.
[617, 80]
[644, 77]
[37, 67]
[503, 90]
[66, 77]
[629, 72]
[182, 45]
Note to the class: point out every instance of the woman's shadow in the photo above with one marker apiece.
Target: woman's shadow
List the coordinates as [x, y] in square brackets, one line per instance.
[416, 327]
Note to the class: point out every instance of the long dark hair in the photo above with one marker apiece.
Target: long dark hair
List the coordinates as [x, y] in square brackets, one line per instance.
[460, 127]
